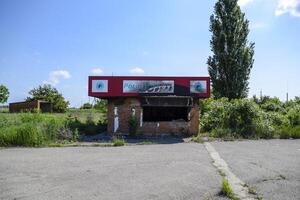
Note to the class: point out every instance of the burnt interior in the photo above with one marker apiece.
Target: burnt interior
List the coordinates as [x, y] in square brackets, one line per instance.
[160, 113]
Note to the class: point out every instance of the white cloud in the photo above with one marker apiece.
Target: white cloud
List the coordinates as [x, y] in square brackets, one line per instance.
[288, 6]
[97, 71]
[243, 3]
[137, 71]
[56, 76]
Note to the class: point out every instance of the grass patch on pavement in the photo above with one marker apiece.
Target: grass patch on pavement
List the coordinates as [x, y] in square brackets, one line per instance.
[226, 190]
[144, 143]
[118, 142]
[198, 138]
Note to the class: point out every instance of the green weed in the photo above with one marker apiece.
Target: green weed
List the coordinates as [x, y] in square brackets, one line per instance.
[226, 190]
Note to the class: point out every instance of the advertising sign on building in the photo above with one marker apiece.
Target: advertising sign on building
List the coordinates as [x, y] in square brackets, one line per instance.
[100, 86]
[148, 86]
[198, 86]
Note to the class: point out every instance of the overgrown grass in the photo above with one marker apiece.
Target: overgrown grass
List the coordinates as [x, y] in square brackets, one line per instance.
[28, 129]
[36, 129]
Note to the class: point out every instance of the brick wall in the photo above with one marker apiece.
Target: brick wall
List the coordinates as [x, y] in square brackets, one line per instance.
[125, 108]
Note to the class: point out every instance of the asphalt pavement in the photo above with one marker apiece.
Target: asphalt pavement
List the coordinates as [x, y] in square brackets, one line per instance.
[164, 171]
[156, 171]
[271, 167]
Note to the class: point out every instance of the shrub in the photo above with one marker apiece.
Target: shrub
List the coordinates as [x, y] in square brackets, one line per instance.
[221, 133]
[289, 132]
[278, 119]
[264, 130]
[133, 125]
[242, 117]
[89, 127]
[294, 115]
[235, 118]
[214, 114]
[256, 118]
[76, 135]
[272, 104]
[296, 133]
[284, 133]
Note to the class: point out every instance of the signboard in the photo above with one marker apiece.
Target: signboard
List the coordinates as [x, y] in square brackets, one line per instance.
[198, 86]
[100, 86]
[148, 86]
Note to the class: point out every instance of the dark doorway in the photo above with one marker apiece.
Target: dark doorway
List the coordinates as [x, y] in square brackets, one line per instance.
[45, 107]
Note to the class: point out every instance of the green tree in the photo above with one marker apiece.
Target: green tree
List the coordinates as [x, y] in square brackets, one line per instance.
[230, 65]
[101, 104]
[48, 93]
[4, 94]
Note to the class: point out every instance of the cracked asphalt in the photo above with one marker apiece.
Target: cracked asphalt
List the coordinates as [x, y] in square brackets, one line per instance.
[158, 171]
[271, 167]
[169, 171]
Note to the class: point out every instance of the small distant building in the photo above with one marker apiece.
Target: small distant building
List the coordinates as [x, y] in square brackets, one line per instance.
[161, 105]
[25, 106]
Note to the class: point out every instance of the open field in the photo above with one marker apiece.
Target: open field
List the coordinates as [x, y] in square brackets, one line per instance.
[81, 115]
[270, 168]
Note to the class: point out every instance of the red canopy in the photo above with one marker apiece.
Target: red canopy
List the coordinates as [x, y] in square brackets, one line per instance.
[134, 86]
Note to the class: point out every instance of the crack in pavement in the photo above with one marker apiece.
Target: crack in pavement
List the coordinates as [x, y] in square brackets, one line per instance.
[238, 186]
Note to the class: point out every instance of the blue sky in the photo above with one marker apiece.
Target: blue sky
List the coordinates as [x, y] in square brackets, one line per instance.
[61, 42]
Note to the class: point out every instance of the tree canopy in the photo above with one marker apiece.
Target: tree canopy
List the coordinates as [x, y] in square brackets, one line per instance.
[230, 65]
[4, 94]
[48, 93]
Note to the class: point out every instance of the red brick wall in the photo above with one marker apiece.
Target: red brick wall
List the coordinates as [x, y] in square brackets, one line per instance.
[125, 106]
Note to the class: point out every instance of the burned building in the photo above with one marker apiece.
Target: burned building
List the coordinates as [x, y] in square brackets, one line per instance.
[161, 105]
[28, 106]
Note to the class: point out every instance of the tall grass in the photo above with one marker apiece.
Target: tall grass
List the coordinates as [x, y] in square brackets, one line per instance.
[32, 129]
[37, 129]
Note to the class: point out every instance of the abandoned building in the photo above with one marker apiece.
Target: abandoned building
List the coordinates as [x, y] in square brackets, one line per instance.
[160, 105]
[29, 106]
